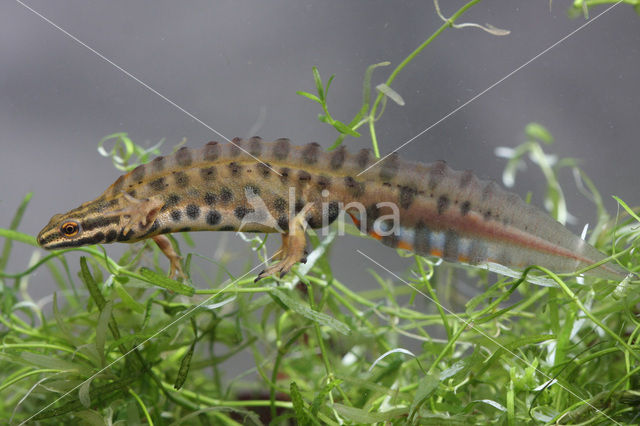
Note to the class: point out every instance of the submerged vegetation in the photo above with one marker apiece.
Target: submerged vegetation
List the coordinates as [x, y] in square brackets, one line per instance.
[119, 343]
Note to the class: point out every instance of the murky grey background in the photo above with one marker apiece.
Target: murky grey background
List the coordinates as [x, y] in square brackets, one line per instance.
[227, 62]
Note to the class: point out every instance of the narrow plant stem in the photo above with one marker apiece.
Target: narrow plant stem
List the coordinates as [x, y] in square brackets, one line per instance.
[448, 347]
[433, 296]
[40, 345]
[400, 67]
[142, 405]
[16, 379]
[595, 320]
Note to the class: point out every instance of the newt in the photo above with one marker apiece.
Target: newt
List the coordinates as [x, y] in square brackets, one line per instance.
[277, 187]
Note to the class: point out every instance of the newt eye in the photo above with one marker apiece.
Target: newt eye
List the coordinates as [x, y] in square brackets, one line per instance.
[70, 229]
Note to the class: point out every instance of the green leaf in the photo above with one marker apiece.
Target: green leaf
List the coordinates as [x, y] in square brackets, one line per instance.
[304, 310]
[538, 132]
[126, 298]
[298, 405]
[343, 128]
[359, 415]
[390, 93]
[185, 363]
[319, 399]
[91, 284]
[101, 330]
[309, 96]
[160, 280]
[326, 90]
[15, 222]
[318, 81]
[626, 208]
[18, 236]
[427, 386]
[84, 393]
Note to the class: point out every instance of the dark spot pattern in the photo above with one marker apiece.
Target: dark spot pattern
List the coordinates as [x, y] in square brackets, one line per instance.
[227, 228]
[280, 204]
[210, 198]
[111, 236]
[132, 193]
[264, 169]
[226, 195]
[255, 146]
[99, 222]
[389, 167]
[184, 157]
[324, 182]
[241, 211]
[362, 158]
[172, 200]
[281, 148]
[138, 173]
[407, 195]
[97, 238]
[337, 158]
[487, 215]
[127, 237]
[311, 152]
[283, 223]
[158, 164]
[153, 228]
[437, 172]
[193, 211]
[391, 240]
[176, 215]
[284, 174]
[212, 151]
[235, 168]
[234, 147]
[422, 239]
[333, 210]
[443, 204]
[314, 220]
[373, 213]
[356, 188]
[213, 217]
[450, 250]
[158, 184]
[208, 173]
[299, 205]
[181, 179]
[304, 176]
[464, 208]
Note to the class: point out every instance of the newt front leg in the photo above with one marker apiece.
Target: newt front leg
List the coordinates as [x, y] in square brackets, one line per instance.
[293, 249]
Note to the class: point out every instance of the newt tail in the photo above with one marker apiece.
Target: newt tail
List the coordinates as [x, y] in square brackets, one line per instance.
[255, 186]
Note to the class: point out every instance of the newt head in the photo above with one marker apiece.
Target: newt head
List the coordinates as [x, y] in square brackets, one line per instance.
[93, 222]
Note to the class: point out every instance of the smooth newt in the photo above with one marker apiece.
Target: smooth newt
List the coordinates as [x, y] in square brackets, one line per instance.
[224, 187]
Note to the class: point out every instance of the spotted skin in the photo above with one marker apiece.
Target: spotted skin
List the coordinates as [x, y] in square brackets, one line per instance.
[442, 212]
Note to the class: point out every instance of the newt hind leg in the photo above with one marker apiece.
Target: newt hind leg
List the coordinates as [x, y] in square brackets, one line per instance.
[293, 249]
